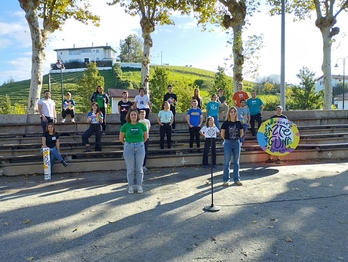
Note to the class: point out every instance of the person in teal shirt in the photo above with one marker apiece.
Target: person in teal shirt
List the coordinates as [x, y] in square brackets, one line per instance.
[255, 106]
[213, 110]
[132, 135]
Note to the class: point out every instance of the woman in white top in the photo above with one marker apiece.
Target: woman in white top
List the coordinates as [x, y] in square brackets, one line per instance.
[165, 120]
[142, 102]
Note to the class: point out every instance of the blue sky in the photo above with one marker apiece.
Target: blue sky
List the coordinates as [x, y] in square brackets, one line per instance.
[181, 44]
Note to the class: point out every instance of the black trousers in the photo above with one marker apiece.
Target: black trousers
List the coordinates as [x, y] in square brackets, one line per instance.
[68, 112]
[102, 109]
[166, 129]
[194, 132]
[93, 129]
[258, 119]
[209, 143]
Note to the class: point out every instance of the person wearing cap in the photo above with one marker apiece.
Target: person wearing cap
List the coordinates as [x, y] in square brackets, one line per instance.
[68, 108]
[239, 95]
[171, 98]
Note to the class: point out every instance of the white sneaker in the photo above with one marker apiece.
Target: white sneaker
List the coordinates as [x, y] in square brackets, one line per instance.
[72, 120]
[140, 190]
[63, 121]
[130, 190]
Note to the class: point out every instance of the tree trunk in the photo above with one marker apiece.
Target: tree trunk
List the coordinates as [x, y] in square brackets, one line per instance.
[238, 57]
[326, 67]
[38, 39]
[147, 27]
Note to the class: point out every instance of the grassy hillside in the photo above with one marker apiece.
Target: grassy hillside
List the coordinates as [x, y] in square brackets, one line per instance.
[18, 91]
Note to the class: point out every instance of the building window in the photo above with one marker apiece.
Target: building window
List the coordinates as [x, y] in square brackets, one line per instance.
[97, 51]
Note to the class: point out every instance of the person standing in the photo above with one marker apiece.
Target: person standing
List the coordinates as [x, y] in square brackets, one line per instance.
[68, 108]
[102, 99]
[239, 95]
[165, 120]
[123, 107]
[213, 110]
[95, 121]
[223, 108]
[50, 139]
[142, 102]
[255, 106]
[132, 136]
[171, 98]
[47, 110]
[197, 96]
[210, 132]
[231, 132]
[244, 118]
[194, 119]
[142, 115]
[279, 114]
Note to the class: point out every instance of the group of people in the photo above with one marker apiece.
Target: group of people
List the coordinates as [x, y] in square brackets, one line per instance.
[48, 117]
[135, 127]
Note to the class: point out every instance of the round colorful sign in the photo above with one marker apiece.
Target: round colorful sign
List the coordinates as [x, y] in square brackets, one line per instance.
[278, 136]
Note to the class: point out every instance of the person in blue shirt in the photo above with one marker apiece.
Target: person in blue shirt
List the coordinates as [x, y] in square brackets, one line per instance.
[255, 106]
[213, 110]
[194, 119]
[165, 119]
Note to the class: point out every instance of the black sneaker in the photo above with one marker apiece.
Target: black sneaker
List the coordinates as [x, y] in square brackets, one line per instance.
[65, 164]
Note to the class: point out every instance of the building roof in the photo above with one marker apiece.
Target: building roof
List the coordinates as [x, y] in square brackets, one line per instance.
[337, 77]
[118, 92]
[89, 47]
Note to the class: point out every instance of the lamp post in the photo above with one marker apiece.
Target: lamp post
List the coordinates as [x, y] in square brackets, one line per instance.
[60, 65]
[343, 78]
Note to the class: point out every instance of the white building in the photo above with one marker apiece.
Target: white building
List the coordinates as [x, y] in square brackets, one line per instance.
[86, 54]
[335, 80]
[116, 96]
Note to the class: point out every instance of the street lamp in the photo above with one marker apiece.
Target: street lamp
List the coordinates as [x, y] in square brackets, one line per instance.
[344, 72]
[60, 65]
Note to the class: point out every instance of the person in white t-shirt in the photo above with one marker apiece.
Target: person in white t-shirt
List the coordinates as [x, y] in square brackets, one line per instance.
[142, 102]
[210, 132]
[47, 110]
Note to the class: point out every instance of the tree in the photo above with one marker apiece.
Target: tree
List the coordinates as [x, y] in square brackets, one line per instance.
[235, 17]
[131, 49]
[221, 81]
[87, 85]
[268, 84]
[52, 14]
[157, 12]
[326, 19]
[304, 96]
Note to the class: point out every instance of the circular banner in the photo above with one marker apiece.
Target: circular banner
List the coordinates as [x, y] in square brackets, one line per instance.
[278, 136]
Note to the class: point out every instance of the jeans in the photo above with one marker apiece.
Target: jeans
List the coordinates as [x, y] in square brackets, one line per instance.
[166, 129]
[258, 119]
[134, 154]
[54, 154]
[245, 129]
[194, 132]
[231, 147]
[209, 143]
[44, 124]
[102, 109]
[93, 129]
[216, 121]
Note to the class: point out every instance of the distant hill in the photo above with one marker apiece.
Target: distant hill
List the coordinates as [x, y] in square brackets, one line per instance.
[18, 91]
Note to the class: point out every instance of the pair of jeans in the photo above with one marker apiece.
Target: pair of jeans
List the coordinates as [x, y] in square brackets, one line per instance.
[166, 129]
[194, 132]
[54, 154]
[245, 129]
[258, 119]
[93, 129]
[231, 149]
[134, 154]
[209, 143]
[44, 124]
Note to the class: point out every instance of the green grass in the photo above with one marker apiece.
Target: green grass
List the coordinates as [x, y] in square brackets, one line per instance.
[18, 91]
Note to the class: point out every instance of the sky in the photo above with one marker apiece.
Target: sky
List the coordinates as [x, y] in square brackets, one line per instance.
[181, 44]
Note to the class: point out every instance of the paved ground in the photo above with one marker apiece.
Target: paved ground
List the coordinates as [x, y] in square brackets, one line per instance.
[282, 212]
